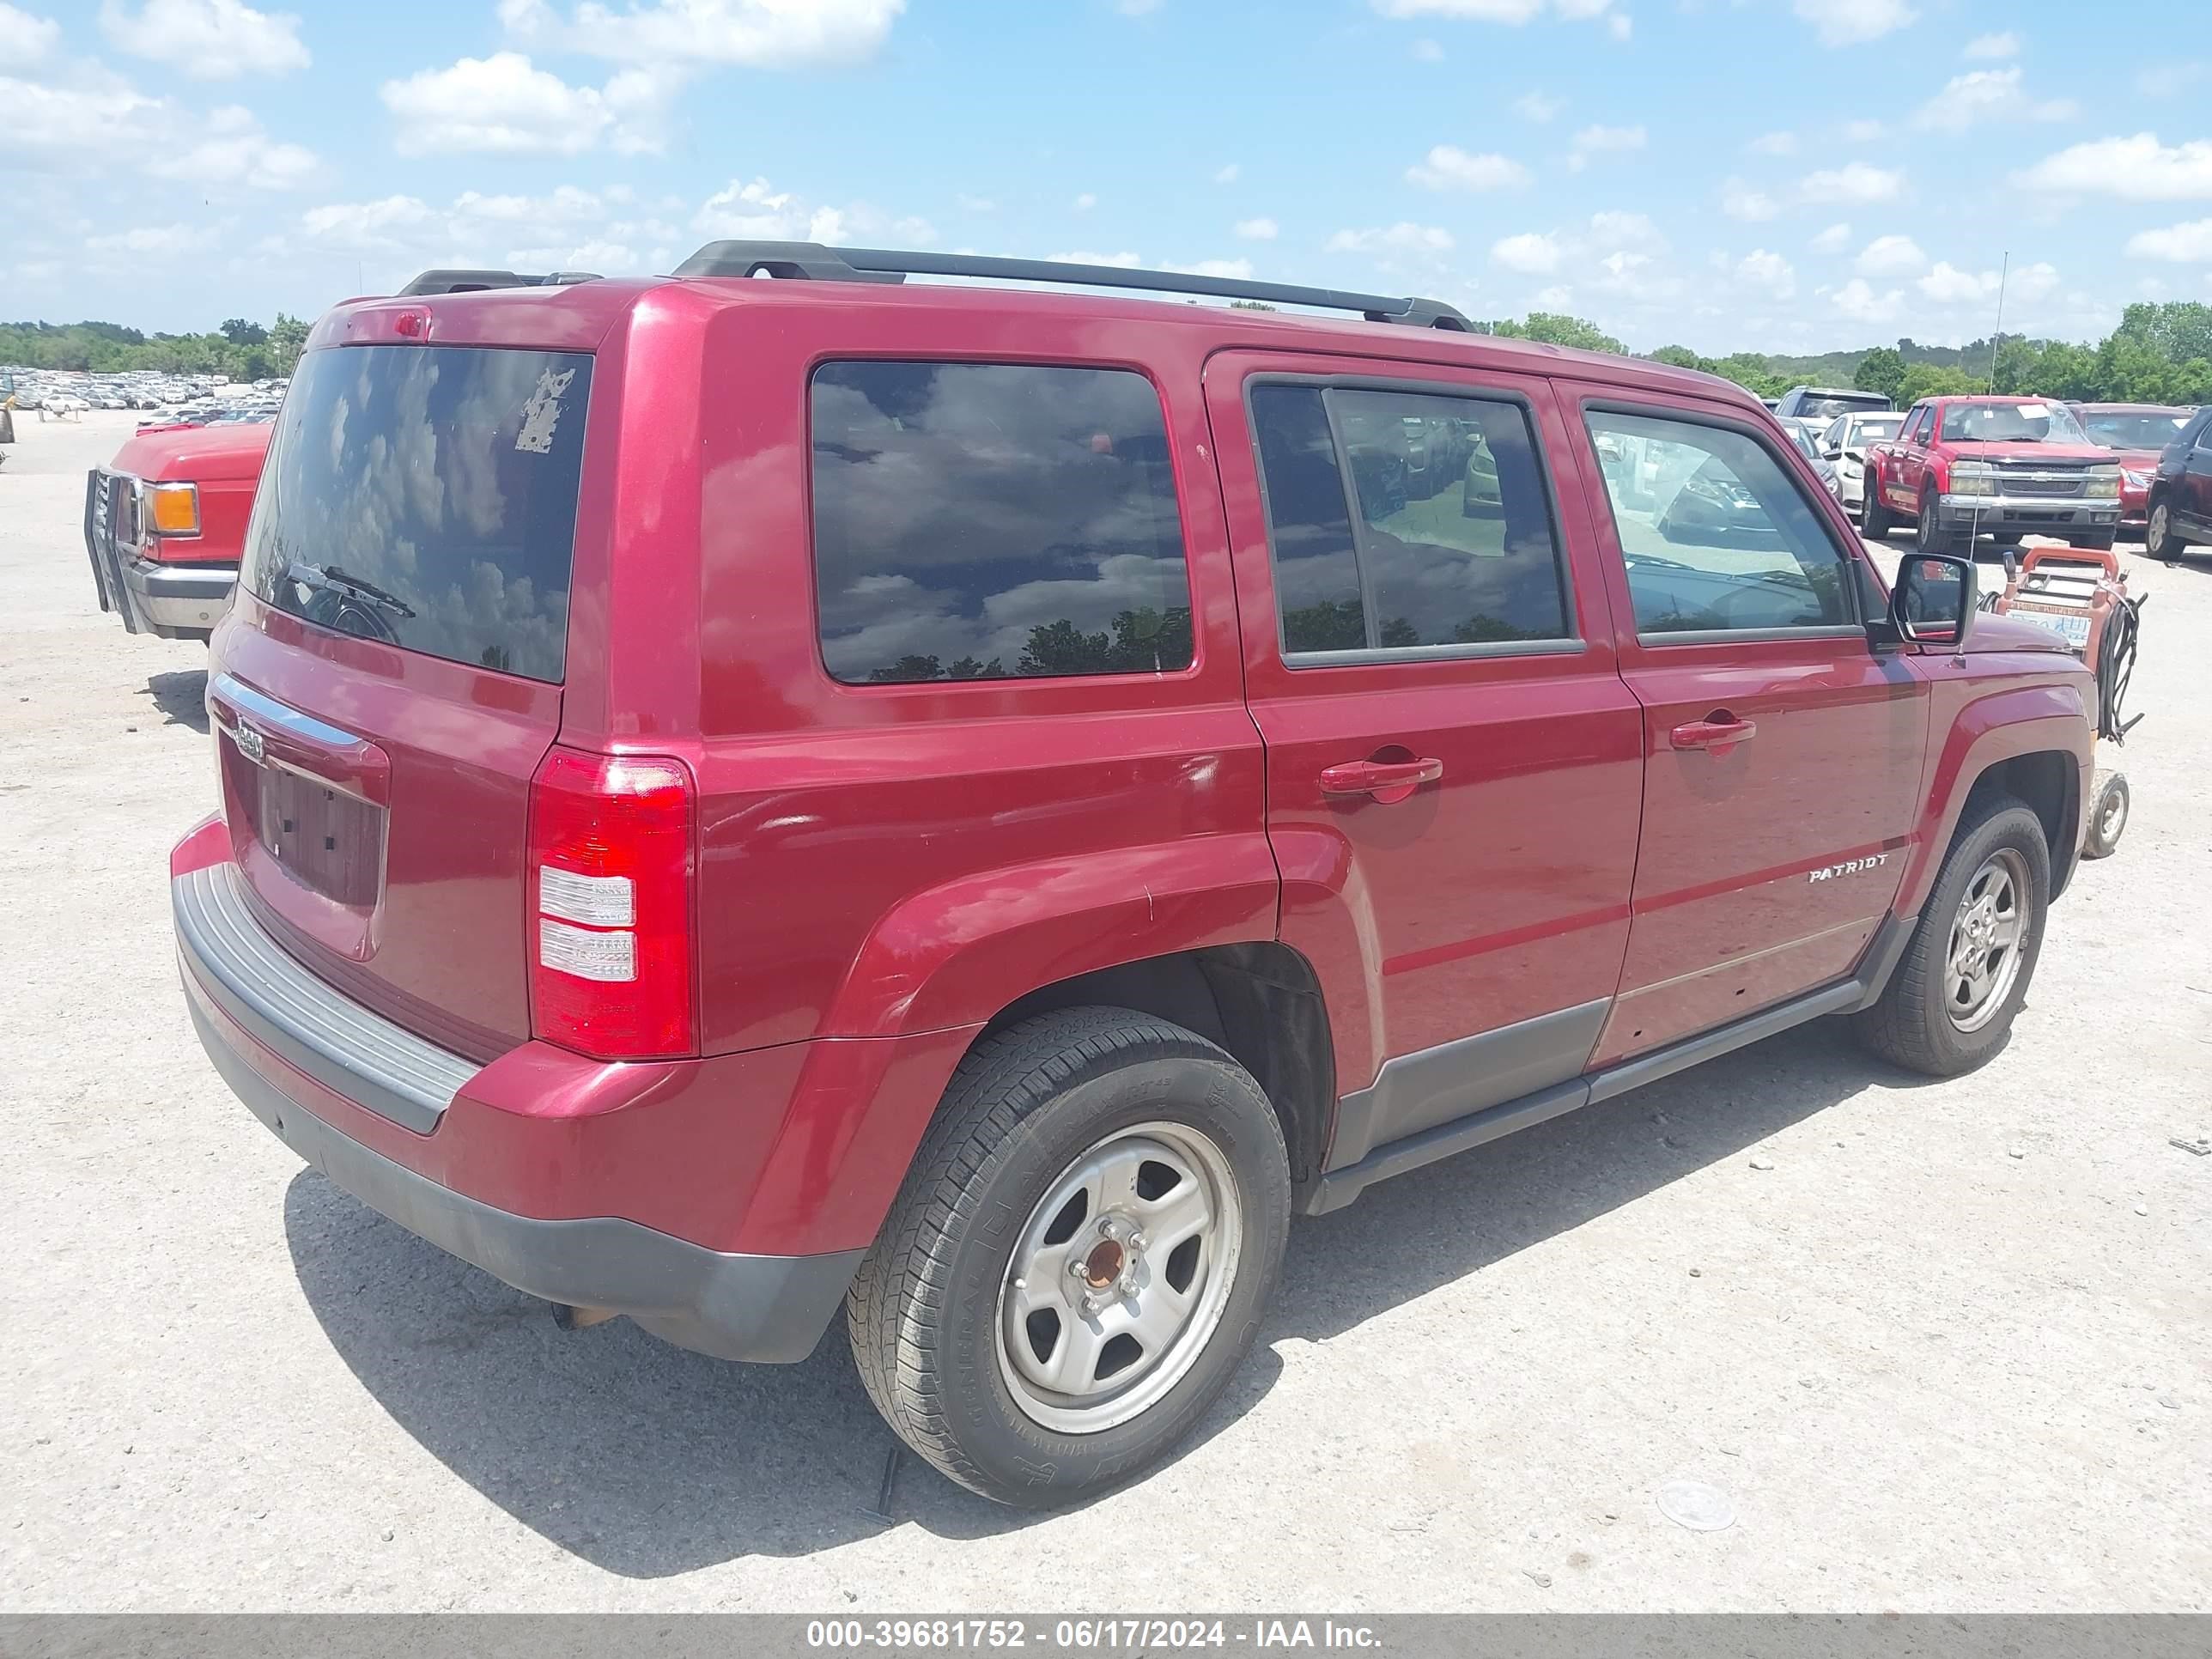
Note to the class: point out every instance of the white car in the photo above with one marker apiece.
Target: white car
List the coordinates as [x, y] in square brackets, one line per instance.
[1844, 444]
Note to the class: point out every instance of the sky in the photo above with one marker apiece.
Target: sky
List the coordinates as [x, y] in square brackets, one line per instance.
[1774, 175]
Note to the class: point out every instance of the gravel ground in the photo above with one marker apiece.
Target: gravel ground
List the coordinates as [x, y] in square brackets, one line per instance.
[1952, 1351]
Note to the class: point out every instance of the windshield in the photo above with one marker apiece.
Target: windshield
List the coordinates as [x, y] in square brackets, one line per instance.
[426, 496]
[2126, 430]
[1873, 429]
[1826, 406]
[1804, 445]
[2010, 423]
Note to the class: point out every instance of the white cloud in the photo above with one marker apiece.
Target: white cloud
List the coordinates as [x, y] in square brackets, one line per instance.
[1891, 255]
[160, 239]
[1834, 240]
[1536, 106]
[1848, 22]
[754, 33]
[1603, 141]
[1768, 271]
[1513, 13]
[1531, 252]
[755, 210]
[1404, 237]
[1258, 230]
[1739, 201]
[1238, 271]
[1621, 25]
[566, 229]
[1085, 201]
[2167, 80]
[1446, 166]
[24, 39]
[2190, 244]
[1864, 130]
[1774, 143]
[1624, 230]
[369, 227]
[80, 125]
[2006, 44]
[505, 104]
[1948, 285]
[1120, 261]
[1976, 96]
[1227, 175]
[1428, 51]
[1856, 181]
[236, 151]
[1856, 300]
[206, 39]
[2139, 169]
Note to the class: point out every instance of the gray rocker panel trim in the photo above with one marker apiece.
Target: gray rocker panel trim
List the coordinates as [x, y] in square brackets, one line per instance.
[1340, 1185]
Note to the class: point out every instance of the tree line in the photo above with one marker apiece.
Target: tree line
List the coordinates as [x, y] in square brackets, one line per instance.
[242, 350]
[2159, 353]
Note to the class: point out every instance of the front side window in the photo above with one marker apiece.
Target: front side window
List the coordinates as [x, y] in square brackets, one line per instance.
[1715, 534]
[994, 521]
[1402, 519]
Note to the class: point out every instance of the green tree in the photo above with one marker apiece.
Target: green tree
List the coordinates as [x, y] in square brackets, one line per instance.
[1933, 380]
[1552, 328]
[1880, 370]
[287, 337]
[240, 332]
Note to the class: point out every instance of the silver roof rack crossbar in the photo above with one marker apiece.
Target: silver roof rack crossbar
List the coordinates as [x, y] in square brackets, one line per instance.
[813, 262]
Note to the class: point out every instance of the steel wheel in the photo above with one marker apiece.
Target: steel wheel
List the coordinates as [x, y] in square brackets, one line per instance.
[1119, 1278]
[1984, 955]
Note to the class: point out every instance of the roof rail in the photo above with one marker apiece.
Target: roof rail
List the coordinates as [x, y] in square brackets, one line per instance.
[812, 261]
[475, 282]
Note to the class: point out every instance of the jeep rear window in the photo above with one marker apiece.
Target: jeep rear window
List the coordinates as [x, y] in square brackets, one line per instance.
[994, 521]
[426, 496]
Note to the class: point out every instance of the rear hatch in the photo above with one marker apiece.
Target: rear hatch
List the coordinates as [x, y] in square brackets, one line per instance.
[391, 678]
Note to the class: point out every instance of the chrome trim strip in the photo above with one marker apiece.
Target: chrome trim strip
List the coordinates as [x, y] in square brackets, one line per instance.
[281, 715]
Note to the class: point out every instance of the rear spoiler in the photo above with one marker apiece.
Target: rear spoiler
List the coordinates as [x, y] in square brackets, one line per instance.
[475, 282]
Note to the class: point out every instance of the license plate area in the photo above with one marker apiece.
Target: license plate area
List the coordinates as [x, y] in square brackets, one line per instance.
[312, 854]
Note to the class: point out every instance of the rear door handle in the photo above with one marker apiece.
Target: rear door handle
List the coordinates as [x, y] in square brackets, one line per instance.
[1719, 731]
[1388, 781]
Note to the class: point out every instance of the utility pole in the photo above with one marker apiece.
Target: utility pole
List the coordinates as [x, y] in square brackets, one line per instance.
[2003, 272]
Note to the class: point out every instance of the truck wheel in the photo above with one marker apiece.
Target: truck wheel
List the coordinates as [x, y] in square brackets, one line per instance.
[2159, 539]
[1950, 1003]
[2098, 541]
[1080, 1257]
[1875, 519]
[1928, 534]
[2108, 816]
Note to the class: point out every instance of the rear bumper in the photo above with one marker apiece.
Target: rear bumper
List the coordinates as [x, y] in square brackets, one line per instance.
[313, 1067]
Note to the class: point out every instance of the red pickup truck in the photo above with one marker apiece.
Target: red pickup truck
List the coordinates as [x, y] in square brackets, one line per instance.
[746, 799]
[2002, 467]
[164, 522]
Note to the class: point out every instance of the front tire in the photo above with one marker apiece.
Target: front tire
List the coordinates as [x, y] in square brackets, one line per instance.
[1950, 1003]
[2108, 816]
[1875, 519]
[1080, 1257]
[1928, 534]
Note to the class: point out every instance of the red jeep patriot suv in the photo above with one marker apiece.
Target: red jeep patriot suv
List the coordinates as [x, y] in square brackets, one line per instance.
[740, 797]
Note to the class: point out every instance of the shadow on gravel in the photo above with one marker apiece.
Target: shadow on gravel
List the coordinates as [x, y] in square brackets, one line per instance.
[181, 696]
[647, 1460]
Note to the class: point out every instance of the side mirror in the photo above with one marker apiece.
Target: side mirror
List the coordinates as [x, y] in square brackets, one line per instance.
[1933, 603]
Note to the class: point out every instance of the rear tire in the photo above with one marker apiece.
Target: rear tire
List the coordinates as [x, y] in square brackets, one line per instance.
[2159, 539]
[2108, 816]
[1950, 1003]
[989, 1343]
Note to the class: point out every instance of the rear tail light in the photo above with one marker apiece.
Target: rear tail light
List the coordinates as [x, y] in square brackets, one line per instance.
[610, 936]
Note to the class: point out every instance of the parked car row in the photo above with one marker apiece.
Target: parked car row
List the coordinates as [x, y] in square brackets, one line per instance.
[61, 391]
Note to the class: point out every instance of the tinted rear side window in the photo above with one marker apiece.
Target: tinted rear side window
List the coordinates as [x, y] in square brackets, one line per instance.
[426, 496]
[994, 521]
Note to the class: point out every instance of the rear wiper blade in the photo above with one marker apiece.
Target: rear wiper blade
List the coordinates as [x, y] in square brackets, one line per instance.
[336, 579]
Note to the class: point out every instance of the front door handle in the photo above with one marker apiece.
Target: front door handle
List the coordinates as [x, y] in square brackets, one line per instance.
[1386, 781]
[1719, 731]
